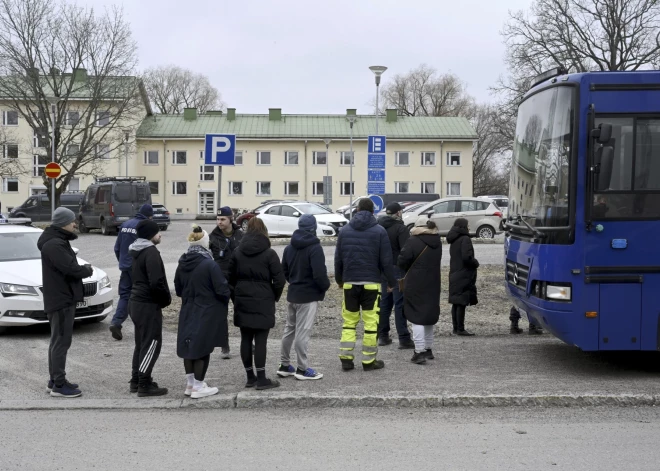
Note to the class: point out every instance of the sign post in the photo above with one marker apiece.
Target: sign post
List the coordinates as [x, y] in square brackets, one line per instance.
[52, 171]
[220, 149]
[376, 165]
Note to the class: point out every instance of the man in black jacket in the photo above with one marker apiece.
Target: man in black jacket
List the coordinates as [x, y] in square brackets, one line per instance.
[224, 239]
[62, 290]
[398, 235]
[304, 268]
[150, 294]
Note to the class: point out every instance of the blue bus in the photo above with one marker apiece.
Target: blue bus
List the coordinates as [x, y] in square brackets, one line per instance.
[582, 246]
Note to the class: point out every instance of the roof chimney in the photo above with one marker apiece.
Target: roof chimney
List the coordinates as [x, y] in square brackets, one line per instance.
[79, 75]
[274, 114]
[391, 115]
[189, 114]
[351, 112]
[231, 114]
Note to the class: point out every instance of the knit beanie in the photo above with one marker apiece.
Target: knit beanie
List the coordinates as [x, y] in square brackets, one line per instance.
[198, 236]
[147, 210]
[63, 217]
[147, 229]
[307, 223]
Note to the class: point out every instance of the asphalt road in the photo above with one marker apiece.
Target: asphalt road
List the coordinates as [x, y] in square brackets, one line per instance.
[99, 250]
[331, 439]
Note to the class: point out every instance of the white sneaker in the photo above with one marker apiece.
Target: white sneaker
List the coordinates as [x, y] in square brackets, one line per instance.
[189, 390]
[204, 391]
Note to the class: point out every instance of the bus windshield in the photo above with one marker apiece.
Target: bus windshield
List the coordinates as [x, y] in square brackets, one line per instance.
[539, 186]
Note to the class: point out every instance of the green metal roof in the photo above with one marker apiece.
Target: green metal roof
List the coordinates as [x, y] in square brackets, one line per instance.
[304, 126]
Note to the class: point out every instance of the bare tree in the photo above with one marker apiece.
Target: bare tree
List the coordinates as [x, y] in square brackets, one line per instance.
[489, 154]
[424, 92]
[57, 52]
[172, 88]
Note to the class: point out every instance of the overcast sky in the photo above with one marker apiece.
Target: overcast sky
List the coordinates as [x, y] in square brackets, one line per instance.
[307, 56]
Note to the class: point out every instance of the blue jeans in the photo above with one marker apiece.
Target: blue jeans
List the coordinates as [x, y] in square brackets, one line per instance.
[389, 301]
[125, 285]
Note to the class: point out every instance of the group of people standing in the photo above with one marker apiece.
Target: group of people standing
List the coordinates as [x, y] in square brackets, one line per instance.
[379, 265]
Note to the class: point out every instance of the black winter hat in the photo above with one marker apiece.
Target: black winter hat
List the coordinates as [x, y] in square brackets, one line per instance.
[147, 229]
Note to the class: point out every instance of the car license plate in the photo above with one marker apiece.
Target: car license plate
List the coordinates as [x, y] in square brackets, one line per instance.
[81, 305]
[523, 314]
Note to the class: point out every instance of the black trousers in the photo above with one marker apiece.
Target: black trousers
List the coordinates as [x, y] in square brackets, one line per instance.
[148, 321]
[260, 339]
[61, 335]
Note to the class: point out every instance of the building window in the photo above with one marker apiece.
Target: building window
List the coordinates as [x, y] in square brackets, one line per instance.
[206, 173]
[150, 157]
[201, 155]
[10, 151]
[179, 188]
[401, 187]
[238, 157]
[74, 184]
[346, 158]
[103, 151]
[347, 188]
[291, 188]
[72, 118]
[39, 163]
[179, 157]
[263, 157]
[154, 187]
[10, 185]
[72, 150]
[40, 140]
[236, 188]
[317, 188]
[428, 159]
[291, 158]
[428, 187]
[402, 159]
[453, 159]
[263, 188]
[453, 189]
[10, 118]
[320, 158]
[102, 118]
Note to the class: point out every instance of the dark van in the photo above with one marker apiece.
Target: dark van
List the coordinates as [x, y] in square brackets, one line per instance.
[38, 208]
[110, 201]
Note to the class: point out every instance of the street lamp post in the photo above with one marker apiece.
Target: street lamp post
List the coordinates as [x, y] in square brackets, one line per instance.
[326, 186]
[351, 121]
[126, 136]
[378, 70]
[53, 103]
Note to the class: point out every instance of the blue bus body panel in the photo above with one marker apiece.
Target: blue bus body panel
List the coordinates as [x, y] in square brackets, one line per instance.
[628, 312]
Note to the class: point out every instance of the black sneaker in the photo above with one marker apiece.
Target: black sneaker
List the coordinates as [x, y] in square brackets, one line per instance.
[133, 386]
[419, 358]
[374, 365]
[226, 354]
[151, 389]
[267, 384]
[535, 330]
[51, 384]
[384, 341]
[252, 382]
[115, 330]
[406, 345]
[347, 365]
[465, 333]
[429, 354]
[65, 391]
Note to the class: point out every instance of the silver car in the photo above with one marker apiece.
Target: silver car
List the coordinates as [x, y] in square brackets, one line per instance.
[484, 217]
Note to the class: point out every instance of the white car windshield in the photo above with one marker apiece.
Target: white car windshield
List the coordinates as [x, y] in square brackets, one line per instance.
[311, 209]
[19, 246]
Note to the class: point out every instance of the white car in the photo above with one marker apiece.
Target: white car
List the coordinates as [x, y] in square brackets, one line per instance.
[411, 214]
[21, 299]
[282, 218]
[484, 217]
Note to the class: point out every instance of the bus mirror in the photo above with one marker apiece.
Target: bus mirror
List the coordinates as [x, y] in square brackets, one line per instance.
[606, 165]
[603, 133]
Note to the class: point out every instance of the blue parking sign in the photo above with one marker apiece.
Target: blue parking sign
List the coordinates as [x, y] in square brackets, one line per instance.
[220, 149]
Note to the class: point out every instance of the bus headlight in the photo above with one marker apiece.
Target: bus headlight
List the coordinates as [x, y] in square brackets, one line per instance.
[559, 293]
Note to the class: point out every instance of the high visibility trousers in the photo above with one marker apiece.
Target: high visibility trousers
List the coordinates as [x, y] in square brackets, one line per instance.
[367, 298]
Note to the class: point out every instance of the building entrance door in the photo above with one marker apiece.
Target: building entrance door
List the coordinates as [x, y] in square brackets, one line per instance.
[206, 202]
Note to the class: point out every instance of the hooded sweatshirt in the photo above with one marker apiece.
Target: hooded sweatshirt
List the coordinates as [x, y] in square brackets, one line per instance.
[304, 268]
[397, 232]
[363, 254]
[223, 246]
[148, 275]
[126, 236]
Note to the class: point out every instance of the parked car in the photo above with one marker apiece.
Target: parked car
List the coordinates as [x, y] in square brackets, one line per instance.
[21, 299]
[243, 220]
[161, 216]
[282, 218]
[110, 201]
[501, 201]
[38, 207]
[483, 216]
[404, 205]
[389, 198]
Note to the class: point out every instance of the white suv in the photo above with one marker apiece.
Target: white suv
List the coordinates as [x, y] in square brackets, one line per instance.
[483, 216]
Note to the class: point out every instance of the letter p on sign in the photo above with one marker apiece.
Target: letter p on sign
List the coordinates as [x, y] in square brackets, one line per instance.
[220, 149]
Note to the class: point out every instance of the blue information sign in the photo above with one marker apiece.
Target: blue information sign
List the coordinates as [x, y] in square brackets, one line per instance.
[220, 149]
[376, 145]
[375, 175]
[375, 188]
[376, 161]
[378, 202]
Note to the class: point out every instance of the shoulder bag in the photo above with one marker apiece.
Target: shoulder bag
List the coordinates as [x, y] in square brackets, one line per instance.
[402, 281]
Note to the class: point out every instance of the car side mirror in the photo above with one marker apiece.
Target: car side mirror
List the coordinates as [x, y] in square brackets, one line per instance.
[603, 133]
[296, 214]
[428, 215]
[604, 175]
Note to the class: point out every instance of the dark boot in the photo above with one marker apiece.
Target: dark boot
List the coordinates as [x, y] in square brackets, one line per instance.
[151, 390]
[406, 344]
[347, 365]
[384, 340]
[454, 320]
[374, 365]
[429, 354]
[535, 330]
[460, 317]
[514, 327]
[133, 385]
[419, 358]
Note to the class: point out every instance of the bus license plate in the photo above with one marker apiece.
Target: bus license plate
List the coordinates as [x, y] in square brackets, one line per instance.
[81, 305]
[523, 314]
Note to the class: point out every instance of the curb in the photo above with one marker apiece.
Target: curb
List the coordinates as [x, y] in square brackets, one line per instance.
[252, 400]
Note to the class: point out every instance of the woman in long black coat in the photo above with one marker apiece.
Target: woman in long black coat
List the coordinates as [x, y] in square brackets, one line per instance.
[420, 259]
[256, 274]
[462, 275]
[204, 293]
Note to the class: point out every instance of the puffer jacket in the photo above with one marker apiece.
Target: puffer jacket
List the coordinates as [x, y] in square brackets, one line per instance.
[363, 252]
[126, 236]
[304, 268]
[149, 279]
[222, 246]
[462, 268]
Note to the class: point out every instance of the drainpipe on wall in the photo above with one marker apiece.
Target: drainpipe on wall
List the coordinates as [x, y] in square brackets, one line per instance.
[305, 183]
[442, 172]
[165, 173]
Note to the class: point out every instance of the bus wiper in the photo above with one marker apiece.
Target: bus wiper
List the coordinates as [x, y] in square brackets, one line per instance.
[534, 230]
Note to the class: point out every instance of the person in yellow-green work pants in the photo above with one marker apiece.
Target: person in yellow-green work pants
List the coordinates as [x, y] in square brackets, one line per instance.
[363, 257]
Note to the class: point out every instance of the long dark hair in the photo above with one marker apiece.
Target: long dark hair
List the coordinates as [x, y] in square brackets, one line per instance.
[461, 223]
[257, 225]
